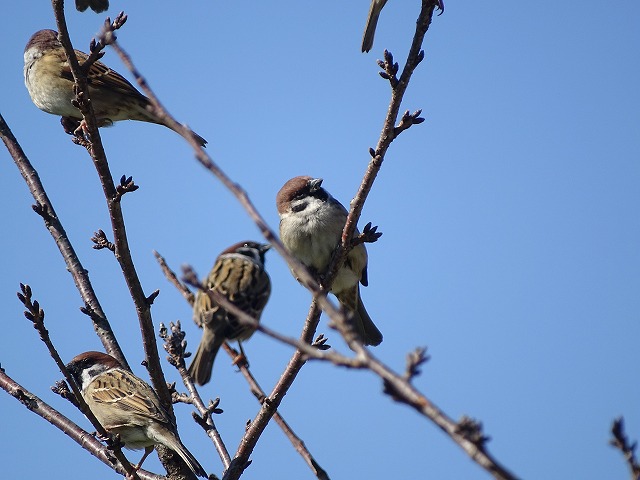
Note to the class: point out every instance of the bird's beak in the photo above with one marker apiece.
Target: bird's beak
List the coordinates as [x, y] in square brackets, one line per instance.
[315, 184]
[265, 247]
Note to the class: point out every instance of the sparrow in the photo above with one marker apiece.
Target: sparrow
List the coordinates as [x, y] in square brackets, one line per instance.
[372, 22]
[97, 6]
[311, 224]
[127, 406]
[49, 81]
[239, 275]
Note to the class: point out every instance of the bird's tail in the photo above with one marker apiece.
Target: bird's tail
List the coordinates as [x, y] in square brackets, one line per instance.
[188, 458]
[367, 330]
[201, 141]
[202, 364]
[144, 113]
[372, 22]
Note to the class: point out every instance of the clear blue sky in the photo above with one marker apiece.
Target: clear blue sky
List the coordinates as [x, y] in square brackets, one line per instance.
[510, 219]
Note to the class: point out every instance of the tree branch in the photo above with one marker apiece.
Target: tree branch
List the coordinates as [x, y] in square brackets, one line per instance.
[80, 275]
[296, 441]
[620, 441]
[174, 344]
[122, 252]
[36, 315]
[69, 428]
[466, 433]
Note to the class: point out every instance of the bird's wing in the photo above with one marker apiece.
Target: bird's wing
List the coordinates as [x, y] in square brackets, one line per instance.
[101, 76]
[248, 288]
[127, 392]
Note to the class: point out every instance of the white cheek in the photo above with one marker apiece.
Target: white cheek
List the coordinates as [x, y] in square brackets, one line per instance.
[88, 374]
[31, 54]
[85, 378]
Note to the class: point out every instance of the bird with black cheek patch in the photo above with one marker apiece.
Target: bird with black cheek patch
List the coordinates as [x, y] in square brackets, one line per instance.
[239, 276]
[126, 405]
[311, 224]
[49, 81]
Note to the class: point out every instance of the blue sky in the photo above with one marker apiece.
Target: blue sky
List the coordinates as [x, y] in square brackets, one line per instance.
[510, 220]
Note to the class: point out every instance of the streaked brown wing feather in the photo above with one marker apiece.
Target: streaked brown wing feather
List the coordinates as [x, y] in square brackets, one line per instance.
[129, 393]
[101, 76]
[236, 284]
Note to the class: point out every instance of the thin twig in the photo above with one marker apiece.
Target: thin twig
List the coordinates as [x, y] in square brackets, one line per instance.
[173, 278]
[467, 434]
[620, 441]
[69, 428]
[387, 135]
[257, 426]
[80, 275]
[304, 347]
[398, 386]
[174, 344]
[36, 315]
[296, 441]
[205, 160]
[122, 252]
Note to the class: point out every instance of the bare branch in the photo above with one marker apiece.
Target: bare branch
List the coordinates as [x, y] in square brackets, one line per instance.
[389, 131]
[620, 441]
[44, 208]
[295, 440]
[464, 433]
[69, 428]
[96, 47]
[36, 315]
[304, 347]
[122, 252]
[175, 344]
[320, 344]
[173, 279]
[395, 384]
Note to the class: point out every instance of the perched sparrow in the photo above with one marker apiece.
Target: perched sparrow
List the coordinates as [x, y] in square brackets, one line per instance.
[311, 224]
[97, 6]
[372, 22]
[239, 276]
[126, 405]
[50, 83]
